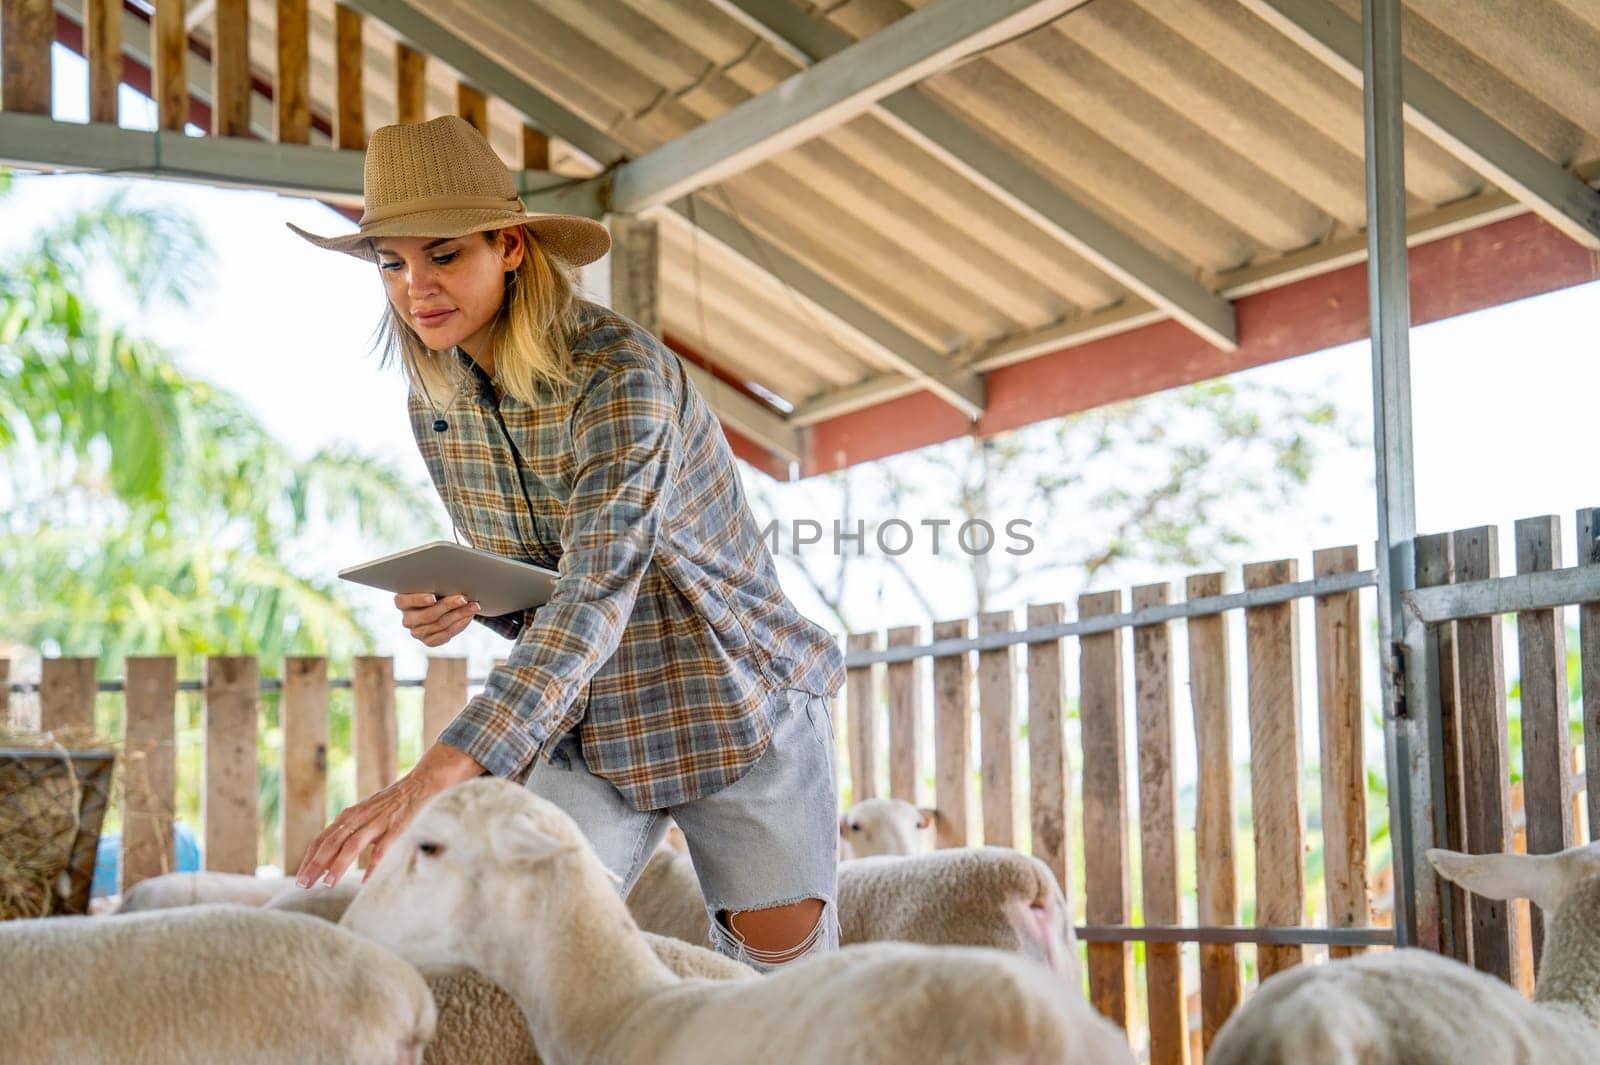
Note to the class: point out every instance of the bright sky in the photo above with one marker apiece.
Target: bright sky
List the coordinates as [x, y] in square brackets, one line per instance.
[1503, 398]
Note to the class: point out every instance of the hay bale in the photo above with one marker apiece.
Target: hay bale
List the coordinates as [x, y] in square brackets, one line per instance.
[41, 803]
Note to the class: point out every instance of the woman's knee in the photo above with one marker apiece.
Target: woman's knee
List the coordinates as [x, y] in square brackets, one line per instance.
[775, 935]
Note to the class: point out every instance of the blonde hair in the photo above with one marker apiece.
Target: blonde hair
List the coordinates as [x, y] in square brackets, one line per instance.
[531, 335]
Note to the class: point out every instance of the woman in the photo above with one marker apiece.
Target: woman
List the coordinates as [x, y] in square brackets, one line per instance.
[668, 675]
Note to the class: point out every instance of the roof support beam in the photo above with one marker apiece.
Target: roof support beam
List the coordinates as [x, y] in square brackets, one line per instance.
[1457, 126]
[759, 423]
[36, 142]
[925, 366]
[956, 144]
[428, 35]
[916, 47]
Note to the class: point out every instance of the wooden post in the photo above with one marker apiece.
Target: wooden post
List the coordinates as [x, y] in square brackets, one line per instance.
[372, 692]
[411, 83]
[102, 43]
[305, 755]
[230, 70]
[1047, 751]
[444, 694]
[473, 105]
[228, 804]
[1272, 647]
[905, 715]
[1158, 829]
[1436, 566]
[26, 30]
[1588, 552]
[66, 695]
[5, 696]
[149, 770]
[997, 714]
[535, 149]
[636, 270]
[293, 103]
[350, 114]
[1542, 654]
[1344, 771]
[952, 735]
[169, 47]
[1215, 879]
[1485, 762]
[861, 690]
[1105, 808]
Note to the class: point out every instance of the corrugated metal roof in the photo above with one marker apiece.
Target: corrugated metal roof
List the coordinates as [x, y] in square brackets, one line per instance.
[1193, 126]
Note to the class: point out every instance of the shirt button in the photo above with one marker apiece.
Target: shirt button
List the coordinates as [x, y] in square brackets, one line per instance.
[440, 425]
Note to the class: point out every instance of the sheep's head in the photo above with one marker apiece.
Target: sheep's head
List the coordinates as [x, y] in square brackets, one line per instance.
[467, 861]
[1545, 879]
[883, 826]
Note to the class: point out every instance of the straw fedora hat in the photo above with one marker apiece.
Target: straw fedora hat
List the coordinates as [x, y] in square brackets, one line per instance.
[440, 178]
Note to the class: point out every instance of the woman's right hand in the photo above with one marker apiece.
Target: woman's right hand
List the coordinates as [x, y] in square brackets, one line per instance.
[432, 620]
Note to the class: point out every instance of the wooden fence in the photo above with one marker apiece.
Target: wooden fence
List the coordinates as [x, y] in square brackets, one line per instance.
[1127, 718]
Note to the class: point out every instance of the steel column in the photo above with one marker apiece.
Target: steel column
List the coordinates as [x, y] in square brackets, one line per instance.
[1410, 745]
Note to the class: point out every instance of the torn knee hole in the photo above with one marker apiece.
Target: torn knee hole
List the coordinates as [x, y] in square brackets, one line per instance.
[775, 934]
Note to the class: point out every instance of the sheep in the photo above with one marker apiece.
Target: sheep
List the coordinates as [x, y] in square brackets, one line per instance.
[479, 1024]
[205, 985]
[1418, 1008]
[883, 826]
[490, 875]
[190, 889]
[963, 896]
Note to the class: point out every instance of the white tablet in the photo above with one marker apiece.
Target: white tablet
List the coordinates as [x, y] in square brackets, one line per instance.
[497, 584]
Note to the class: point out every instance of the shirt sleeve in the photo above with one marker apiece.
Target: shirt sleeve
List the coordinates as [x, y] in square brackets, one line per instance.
[507, 625]
[627, 449]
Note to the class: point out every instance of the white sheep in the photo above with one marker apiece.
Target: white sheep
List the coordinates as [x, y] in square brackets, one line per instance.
[491, 875]
[883, 826]
[171, 890]
[479, 1023]
[1413, 1007]
[963, 896]
[205, 985]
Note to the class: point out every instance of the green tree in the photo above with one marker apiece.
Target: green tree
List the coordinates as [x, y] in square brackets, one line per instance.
[147, 511]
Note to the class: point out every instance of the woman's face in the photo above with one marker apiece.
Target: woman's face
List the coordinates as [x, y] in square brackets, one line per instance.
[449, 289]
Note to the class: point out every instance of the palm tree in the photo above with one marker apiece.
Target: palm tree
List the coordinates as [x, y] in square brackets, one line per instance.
[147, 511]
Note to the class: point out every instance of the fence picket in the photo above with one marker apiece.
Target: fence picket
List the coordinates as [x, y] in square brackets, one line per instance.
[374, 729]
[228, 803]
[952, 737]
[1047, 751]
[66, 694]
[997, 713]
[861, 691]
[1216, 870]
[304, 711]
[1343, 770]
[1542, 657]
[1436, 566]
[1485, 762]
[905, 716]
[1588, 552]
[1158, 829]
[149, 770]
[1105, 807]
[444, 693]
[1272, 649]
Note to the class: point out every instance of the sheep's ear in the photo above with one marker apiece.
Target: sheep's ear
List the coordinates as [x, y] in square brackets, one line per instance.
[927, 814]
[1538, 877]
[518, 839]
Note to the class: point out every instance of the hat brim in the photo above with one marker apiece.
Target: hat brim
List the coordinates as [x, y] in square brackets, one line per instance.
[573, 239]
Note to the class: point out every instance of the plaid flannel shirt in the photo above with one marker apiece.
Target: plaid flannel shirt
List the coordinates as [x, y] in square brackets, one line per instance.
[668, 632]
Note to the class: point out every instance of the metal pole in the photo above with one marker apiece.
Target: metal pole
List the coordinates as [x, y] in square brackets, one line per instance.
[1410, 745]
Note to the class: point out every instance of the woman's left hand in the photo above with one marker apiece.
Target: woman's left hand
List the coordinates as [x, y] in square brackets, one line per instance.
[378, 820]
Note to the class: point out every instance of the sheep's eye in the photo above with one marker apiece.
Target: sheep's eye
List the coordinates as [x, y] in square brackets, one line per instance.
[855, 828]
[430, 849]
